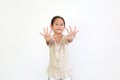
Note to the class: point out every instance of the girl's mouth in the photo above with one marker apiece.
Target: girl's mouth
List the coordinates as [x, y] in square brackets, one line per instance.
[59, 29]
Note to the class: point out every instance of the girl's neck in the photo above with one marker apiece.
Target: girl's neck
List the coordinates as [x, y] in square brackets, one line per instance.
[57, 35]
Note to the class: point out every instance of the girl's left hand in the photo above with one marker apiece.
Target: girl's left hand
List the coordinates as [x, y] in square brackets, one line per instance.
[71, 33]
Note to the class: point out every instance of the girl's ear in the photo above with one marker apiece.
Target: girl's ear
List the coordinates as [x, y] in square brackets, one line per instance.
[64, 26]
[51, 26]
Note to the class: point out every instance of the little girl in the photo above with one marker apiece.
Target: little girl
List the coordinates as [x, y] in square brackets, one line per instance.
[59, 68]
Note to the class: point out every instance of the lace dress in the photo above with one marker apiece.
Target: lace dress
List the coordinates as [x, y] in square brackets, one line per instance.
[58, 64]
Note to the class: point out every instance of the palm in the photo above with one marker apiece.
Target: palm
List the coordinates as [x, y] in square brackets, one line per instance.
[71, 33]
[47, 34]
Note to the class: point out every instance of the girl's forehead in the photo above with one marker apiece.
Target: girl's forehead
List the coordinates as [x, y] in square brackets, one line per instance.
[58, 20]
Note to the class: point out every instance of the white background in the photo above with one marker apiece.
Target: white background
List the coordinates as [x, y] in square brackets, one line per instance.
[94, 54]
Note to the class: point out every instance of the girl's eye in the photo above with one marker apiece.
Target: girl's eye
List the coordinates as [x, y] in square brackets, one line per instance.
[61, 24]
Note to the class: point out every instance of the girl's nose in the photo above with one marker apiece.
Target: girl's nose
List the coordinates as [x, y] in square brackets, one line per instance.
[59, 26]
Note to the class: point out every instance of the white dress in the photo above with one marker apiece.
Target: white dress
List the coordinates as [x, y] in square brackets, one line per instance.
[58, 64]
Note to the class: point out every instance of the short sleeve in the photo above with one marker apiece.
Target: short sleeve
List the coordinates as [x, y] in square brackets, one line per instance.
[65, 40]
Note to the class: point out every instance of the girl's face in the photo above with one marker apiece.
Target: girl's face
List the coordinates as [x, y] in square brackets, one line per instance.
[58, 26]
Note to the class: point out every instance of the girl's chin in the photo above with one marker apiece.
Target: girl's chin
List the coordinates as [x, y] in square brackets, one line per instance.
[59, 32]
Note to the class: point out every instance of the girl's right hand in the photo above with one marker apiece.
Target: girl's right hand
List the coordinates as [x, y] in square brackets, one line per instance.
[46, 34]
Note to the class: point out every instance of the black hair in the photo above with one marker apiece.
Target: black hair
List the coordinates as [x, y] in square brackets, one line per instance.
[55, 17]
